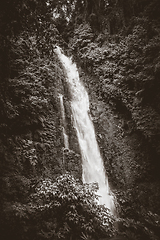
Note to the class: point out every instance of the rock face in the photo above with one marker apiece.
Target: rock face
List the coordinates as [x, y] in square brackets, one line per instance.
[122, 150]
[130, 161]
[125, 153]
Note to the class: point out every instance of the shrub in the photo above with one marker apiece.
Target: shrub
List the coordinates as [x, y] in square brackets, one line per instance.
[64, 209]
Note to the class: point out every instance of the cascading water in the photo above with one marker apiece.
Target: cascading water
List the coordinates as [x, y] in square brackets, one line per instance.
[65, 136]
[92, 163]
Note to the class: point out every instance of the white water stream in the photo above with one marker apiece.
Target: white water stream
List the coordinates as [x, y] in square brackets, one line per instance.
[92, 163]
[65, 136]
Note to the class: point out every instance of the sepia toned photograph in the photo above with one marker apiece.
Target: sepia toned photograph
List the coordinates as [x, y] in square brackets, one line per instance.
[80, 119]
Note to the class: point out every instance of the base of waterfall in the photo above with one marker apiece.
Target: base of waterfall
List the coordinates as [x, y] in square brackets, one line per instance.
[106, 199]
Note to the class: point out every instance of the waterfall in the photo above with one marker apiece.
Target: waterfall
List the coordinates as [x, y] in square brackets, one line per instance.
[92, 163]
[65, 136]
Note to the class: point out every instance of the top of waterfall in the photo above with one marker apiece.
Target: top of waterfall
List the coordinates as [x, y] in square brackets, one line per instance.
[58, 50]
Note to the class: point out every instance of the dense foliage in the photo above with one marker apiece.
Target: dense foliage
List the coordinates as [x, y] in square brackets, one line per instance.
[127, 71]
[29, 118]
[117, 44]
[63, 209]
[121, 62]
